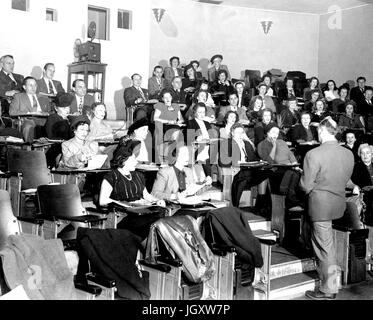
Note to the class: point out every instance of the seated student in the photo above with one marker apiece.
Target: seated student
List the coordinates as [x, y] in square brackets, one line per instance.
[233, 101]
[198, 129]
[190, 81]
[267, 80]
[124, 184]
[331, 91]
[255, 111]
[82, 100]
[303, 132]
[47, 85]
[352, 144]
[362, 177]
[309, 105]
[223, 85]
[237, 148]
[216, 67]
[243, 95]
[261, 128]
[231, 117]
[29, 102]
[195, 64]
[178, 95]
[173, 71]
[156, 83]
[205, 86]
[138, 131]
[58, 126]
[314, 85]
[77, 151]
[339, 104]
[288, 92]
[319, 112]
[176, 181]
[267, 100]
[274, 150]
[289, 116]
[101, 131]
[201, 98]
[349, 119]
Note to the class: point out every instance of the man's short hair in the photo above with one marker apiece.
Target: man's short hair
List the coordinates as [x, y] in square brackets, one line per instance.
[223, 71]
[361, 78]
[6, 56]
[368, 89]
[239, 82]
[237, 125]
[157, 67]
[330, 125]
[172, 58]
[27, 79]
[199, 105]
[233, 93]
[48, 65]
[76, 81]
[136, 74]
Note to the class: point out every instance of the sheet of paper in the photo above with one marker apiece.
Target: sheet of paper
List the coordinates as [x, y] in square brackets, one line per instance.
[96, 162]
[194, 188]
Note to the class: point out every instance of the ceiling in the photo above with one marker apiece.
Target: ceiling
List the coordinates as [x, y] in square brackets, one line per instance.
[300, 6]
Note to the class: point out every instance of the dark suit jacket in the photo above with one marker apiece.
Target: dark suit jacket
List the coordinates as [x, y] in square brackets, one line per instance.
[178, 97]
[283, 94]
[327, 169]
[245, 100]
[260, 131]
[131, 94]
[230, 153]
[298, 132]
[87, 103]
[21, 104]
[358, 96]
[153, 87]
[6, 84]
[57, 128]
[366, 109]
[288, 118]
[361, 176]
[42, 87]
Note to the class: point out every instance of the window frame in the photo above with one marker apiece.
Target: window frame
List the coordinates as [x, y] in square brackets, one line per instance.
[107, 22]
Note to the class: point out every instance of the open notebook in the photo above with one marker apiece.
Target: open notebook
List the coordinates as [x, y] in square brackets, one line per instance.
[96, 162]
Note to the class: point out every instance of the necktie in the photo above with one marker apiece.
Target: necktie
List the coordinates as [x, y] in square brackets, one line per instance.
[80, 108]
[51, 91]
[142, 94]
[34, 104]
[14, 83]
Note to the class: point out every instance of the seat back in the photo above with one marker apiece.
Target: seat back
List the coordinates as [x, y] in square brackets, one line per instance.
[60, 200]
[8, 222]
[32, 165]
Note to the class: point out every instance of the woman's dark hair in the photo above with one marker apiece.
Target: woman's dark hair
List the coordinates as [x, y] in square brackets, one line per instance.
[327, 87]
[235, 126]
[164, 91]
[227, 115]
[343, 86]
[305, 113]
[96, 104]
[315, 105]
[124, 151]
[195, 96]
[198, 105]
[351, 103]
[314, 78]
[75, 125]
[223, 71]
[188, 67]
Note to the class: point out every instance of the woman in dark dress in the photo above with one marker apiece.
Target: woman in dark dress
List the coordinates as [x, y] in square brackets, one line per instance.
[222, 87]
[125, 185]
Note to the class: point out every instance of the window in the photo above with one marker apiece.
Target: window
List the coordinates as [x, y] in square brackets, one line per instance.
[51, 14]
[101, 17]
[125, 19]
[22, 5]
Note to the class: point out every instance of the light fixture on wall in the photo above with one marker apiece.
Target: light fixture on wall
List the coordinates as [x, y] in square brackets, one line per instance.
[266, 25]
[158, 13]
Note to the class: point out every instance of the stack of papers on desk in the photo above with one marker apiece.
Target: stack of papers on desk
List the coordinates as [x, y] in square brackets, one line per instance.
[96, 162]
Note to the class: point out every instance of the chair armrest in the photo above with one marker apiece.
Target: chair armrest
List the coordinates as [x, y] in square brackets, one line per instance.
[267, 242]
[157, 266]
[95, 290]
[101, 280]
[171, 261]
[34, 220]
[222, 249]
[89, 218]
[100, 210]
[9, 174]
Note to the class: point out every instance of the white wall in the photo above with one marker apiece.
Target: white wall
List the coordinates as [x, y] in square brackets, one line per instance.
[194, 30]
[33, 41]
[346, 53]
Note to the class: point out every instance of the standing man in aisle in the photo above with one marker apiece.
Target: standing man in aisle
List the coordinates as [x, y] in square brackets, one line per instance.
[327, 169]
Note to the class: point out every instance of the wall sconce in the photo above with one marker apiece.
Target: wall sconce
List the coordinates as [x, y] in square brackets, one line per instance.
[266, 26]
[158, 13]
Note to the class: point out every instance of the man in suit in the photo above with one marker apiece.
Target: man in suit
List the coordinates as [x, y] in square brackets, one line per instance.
[47, 85]
[366, 108]
[216, 67]
[29, 102]
[82, 101]
[178, 95]
[233, 101]
[327, 169]
[10, 83]
[135, 96]
[288, 92]
[156, 83]
[172, 182]
[243, 96]
[357, 94]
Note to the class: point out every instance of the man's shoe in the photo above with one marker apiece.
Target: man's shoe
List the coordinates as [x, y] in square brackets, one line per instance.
[318, 295]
